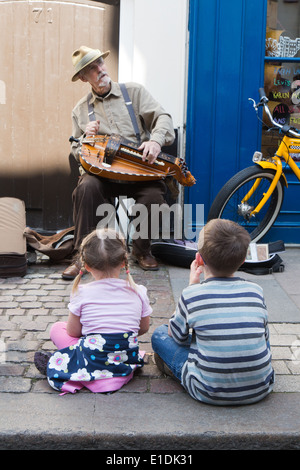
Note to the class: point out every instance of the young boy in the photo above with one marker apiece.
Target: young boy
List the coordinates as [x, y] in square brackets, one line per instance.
[227, 358]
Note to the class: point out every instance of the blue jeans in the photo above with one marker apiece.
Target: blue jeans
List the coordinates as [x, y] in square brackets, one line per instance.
[173, 354]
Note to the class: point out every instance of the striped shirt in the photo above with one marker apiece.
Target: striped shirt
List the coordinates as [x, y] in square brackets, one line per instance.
[229, 360]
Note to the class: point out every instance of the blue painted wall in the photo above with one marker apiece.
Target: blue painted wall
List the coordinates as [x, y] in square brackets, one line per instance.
[226, 67]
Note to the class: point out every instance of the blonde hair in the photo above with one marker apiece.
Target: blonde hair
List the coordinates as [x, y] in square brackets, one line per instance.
[103, 250]
[223, 245]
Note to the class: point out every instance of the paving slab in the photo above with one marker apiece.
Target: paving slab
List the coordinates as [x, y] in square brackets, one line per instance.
[146, 422]
[281, 290]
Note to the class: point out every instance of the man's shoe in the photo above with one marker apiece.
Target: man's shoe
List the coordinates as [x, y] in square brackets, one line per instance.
[146, 262]
[71, 271]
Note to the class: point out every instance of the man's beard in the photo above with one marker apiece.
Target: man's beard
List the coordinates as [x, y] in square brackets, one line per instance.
[103, 79]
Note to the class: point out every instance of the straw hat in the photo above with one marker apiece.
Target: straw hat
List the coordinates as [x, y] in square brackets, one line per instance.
[85, 56]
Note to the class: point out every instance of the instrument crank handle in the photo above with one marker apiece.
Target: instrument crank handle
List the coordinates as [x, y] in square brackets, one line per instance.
[72, 139]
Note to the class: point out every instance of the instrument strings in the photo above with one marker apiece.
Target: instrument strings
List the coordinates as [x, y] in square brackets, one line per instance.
[103, 156]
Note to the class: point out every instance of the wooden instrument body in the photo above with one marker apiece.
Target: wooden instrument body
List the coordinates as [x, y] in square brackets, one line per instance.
[116, 158]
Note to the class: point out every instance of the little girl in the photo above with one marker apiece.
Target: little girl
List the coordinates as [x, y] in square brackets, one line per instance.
[98, 346]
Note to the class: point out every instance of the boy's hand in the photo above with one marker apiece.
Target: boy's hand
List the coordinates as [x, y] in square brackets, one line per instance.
[195, 271]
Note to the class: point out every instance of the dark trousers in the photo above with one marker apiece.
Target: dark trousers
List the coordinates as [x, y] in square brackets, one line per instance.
[92, 191]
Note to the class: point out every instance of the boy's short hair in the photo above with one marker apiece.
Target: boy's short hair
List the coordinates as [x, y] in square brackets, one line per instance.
[223, 245]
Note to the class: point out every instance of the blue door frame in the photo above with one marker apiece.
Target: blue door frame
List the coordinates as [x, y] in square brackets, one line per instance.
[287, 225]
[226, 67]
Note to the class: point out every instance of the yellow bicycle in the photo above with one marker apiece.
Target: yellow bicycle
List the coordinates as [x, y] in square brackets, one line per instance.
[253, 197]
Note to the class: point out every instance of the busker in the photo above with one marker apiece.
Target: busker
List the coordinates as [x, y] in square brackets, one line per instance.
[109, 115]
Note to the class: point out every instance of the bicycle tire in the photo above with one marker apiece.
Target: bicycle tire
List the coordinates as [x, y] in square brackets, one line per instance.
[225, 204]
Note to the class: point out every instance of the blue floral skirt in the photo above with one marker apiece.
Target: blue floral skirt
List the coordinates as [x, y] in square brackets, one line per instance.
[95, 357]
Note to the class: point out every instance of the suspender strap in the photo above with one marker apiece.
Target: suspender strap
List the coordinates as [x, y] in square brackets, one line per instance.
[91, 113]
[128, 103]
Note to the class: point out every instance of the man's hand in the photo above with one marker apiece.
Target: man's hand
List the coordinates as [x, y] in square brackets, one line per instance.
[92, 128]
[151, 150]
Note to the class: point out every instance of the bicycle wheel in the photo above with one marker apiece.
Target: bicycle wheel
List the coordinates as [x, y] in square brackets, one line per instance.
[228, 205]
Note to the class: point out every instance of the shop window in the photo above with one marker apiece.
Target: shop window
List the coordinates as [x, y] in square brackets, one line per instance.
[282, 67]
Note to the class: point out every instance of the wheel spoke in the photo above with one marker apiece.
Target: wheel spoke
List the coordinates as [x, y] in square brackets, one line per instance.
[241, 195]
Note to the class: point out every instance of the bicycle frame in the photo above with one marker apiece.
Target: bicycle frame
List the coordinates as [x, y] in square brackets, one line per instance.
[283, 153]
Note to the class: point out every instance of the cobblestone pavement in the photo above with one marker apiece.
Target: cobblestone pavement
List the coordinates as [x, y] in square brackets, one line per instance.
[30, 305]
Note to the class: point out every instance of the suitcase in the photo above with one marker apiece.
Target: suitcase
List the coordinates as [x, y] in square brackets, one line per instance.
[13, 261]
